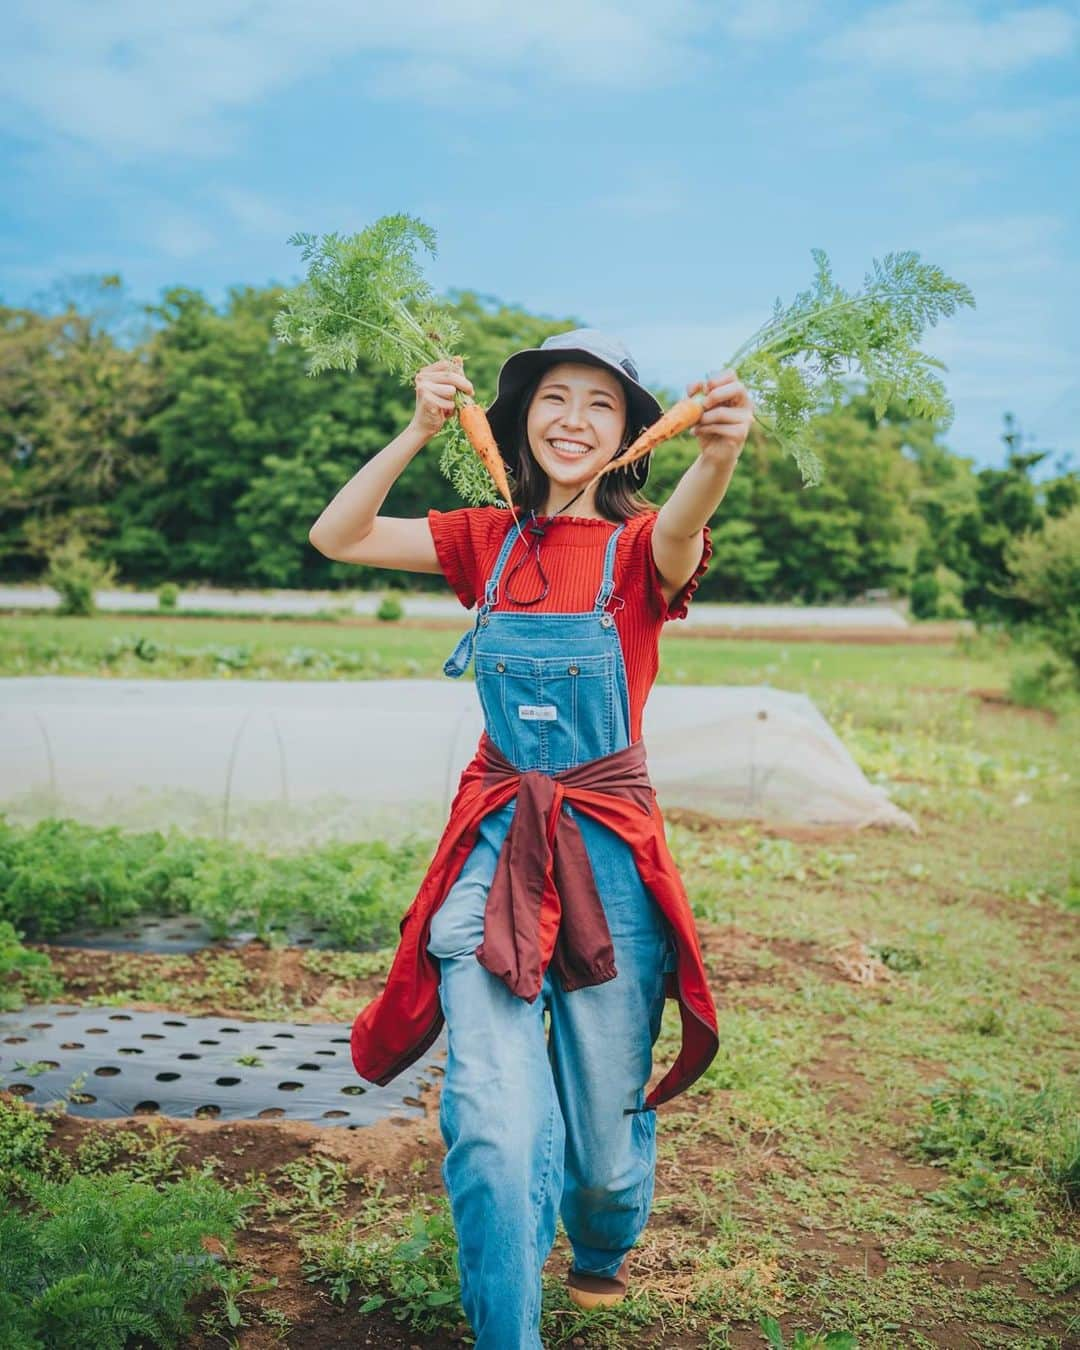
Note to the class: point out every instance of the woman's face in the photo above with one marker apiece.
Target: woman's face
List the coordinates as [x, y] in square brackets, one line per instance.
[575, 422]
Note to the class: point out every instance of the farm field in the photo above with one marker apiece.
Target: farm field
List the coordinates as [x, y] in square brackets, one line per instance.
[886, 1143]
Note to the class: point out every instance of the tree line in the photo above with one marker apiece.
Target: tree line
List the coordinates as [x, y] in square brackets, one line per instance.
[198, 450]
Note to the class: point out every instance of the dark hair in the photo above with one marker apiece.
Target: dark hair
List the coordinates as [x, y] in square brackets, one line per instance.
[616, 497]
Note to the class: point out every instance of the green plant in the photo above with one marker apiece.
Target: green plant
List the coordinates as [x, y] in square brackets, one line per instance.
[316, 1189]
[1059, 1270]
[24, 1144]
[348, 965]
[831, 1340]
[75, 576]
[938, 594]
[365, 298]
[23, 973]
[390, 608]
[151, 1156]
[974, 1118]
[411, 1270]
[1040, 684]
[95, 1261]
[168, 594]
[982, 1190]
[1061, 1164]
[235, 1283]
[60, 873]
[799, 358]
[901, 959]
[1045, 569]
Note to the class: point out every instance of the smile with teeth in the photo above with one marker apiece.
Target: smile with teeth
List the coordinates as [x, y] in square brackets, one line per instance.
[571, 447]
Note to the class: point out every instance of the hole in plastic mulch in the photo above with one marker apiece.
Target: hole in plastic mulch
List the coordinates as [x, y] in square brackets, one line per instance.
[233, 1074]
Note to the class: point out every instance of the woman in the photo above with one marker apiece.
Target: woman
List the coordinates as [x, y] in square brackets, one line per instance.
[552, 889]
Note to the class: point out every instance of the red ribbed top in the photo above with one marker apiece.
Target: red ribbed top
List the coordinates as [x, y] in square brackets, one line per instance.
[467, 543]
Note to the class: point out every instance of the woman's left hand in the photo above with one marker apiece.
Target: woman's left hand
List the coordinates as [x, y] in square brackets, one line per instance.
[729, 411]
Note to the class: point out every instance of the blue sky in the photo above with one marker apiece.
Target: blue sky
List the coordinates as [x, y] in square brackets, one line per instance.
[661, 169]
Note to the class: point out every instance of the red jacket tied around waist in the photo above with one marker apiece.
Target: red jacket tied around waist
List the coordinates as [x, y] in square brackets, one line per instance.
[542, 909]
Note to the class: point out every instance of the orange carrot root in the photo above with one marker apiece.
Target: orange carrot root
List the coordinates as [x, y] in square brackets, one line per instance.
[679, 417]
[474, 423]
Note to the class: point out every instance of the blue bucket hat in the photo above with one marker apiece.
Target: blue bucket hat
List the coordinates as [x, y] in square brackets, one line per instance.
[592, 348]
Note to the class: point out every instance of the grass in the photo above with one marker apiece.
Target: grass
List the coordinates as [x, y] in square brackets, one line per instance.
[122, 646]
[885, 1146]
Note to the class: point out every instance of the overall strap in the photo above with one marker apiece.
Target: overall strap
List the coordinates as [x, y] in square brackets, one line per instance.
[607, 583]
[491, 586]
[457, 662]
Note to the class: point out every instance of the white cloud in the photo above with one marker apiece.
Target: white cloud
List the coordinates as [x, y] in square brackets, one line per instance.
[953, 40]
[755, 20]
[177, 234]
[643, 202]
[256, 214]
[1024, 122]
[1001, 249]
[138, 80]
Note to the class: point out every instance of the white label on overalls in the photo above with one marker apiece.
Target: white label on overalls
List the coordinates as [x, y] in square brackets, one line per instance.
[539, 712]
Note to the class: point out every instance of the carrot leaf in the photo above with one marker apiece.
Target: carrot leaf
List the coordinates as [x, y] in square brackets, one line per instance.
[797, 362]
[365, 299]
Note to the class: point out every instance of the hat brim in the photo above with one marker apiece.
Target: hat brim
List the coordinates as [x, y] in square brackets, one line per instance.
[518, 370]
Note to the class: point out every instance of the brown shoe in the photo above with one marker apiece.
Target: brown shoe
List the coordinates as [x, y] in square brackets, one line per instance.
[595, 1291]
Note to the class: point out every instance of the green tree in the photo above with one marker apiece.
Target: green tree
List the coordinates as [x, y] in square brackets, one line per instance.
[1044, 566]
[73, 409]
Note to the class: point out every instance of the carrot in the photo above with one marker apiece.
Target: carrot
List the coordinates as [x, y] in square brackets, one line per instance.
[474, 423]
[679, 417]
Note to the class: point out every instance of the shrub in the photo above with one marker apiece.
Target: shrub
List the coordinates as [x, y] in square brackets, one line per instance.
[75, 576]
[938, 594]
[391, 609]
[1045, 567]
[1042, 684]
[168, 594]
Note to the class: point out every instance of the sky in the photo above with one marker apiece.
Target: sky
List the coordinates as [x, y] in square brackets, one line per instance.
[657, 170]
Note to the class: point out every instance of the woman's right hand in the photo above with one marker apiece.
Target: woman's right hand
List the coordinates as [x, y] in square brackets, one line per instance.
[435, 388]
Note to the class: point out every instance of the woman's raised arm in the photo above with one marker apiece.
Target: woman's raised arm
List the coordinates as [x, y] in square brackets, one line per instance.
[721, 433]
[350, 528]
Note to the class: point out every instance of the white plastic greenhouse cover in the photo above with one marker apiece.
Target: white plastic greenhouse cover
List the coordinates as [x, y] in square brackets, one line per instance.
[288, 763]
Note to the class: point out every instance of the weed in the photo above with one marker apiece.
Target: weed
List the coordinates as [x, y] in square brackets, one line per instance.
[831, 1340]
[410, 1270]
[24, 1144]
[971, 1115]
[1061, 1165]
[149, 1156]
[982, 1191]
[1059, 1270]
[317, 1188]
[236, 1282]
[24, 974]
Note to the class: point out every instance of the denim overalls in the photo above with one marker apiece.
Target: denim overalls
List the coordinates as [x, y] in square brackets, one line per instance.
[532, 1129]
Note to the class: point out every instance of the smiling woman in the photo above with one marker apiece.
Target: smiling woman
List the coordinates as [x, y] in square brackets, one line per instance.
[552, 891]
[573, 420]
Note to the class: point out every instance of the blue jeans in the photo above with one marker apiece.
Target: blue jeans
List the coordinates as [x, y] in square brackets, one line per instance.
[533, 1128]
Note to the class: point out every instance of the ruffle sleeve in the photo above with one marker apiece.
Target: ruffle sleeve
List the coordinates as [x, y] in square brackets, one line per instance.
[460, 538]
[680, 602]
